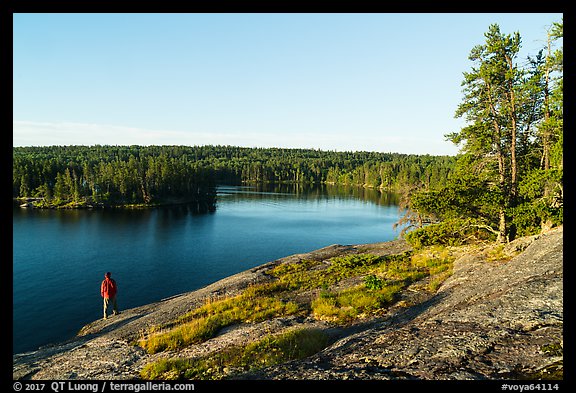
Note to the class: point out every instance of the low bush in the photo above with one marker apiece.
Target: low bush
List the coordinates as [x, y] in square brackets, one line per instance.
[453, 232]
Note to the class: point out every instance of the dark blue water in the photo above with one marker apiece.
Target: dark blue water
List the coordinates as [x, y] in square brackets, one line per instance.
[60, 256]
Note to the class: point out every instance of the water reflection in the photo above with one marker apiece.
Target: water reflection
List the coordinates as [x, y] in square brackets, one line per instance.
[159, 252]
[307, 192]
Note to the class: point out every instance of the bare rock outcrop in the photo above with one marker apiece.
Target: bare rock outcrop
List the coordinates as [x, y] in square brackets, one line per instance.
[489, 320]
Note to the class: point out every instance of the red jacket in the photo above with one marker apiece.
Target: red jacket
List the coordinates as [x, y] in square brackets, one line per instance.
[108, 288]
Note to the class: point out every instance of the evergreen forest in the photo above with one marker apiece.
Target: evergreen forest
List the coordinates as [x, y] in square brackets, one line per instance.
[506, 181]
[73, 176]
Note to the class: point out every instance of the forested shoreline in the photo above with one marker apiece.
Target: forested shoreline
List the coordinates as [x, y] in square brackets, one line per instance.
[76, 176]
[506, 181]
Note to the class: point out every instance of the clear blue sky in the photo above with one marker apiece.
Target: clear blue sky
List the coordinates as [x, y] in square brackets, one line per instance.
[387, 82]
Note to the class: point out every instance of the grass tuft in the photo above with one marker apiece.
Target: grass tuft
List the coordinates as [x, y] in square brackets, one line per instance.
[347, 305]
[205, 322]
[272, 349]
[384, 277]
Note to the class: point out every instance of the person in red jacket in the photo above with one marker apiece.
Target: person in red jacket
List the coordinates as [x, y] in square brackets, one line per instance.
[108, 290]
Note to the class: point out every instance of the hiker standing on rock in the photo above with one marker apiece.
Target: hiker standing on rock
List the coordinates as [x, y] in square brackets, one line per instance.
[108, 290]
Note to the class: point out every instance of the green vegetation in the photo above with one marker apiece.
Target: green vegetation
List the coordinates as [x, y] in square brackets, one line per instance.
[373, 283]
[553, 349]
[82, 176]
[384, 278]
[204, 322]
[72, 176]
[272, 349]
[497, 253]
[437, 262]
[347, 305]
[553, 371]
[341, 290]
[508, 179]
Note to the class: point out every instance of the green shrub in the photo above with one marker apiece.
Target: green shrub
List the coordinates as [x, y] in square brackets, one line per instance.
[372, 282]
[350, 262]
[527, 218]
[453, 232]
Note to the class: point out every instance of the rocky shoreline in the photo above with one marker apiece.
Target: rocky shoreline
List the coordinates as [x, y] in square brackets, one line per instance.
[492, 319]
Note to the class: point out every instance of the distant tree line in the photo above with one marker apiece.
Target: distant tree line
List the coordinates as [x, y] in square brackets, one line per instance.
[508, 178]
[108, 175]
[145, 174]
[506, 181]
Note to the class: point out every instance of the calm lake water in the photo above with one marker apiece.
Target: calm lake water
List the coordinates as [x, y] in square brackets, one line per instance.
[60, 256]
